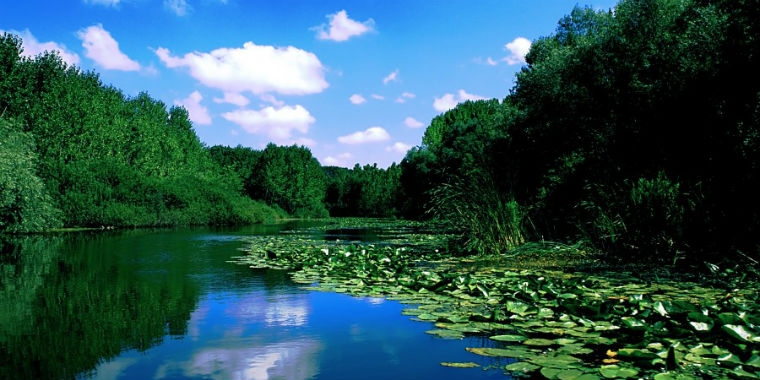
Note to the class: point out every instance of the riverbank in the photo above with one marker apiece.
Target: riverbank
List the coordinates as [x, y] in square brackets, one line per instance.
[568, 315]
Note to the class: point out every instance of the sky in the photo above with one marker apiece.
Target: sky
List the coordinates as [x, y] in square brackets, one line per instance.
[354, 81]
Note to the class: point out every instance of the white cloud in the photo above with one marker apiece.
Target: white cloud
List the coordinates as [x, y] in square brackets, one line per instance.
[357, 99]
[178, 7]
[32, 47]
[342, 28]
[372, 134]
[518, 48]
[392, 77]
[449, 101]
[104, 50]
[404, 96]
[198, 113]
[277, 123]
[233, 98]
[378, 97]
[340, 160]
[413, 123]
[108, 3]
[398, 147]
[259, 69]
[269, 98]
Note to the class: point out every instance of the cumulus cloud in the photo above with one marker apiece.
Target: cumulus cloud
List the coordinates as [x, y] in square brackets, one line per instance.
[413, 123]
[372, 134]
[378, 97]
[449, 101]
[178, 7]
[104, 49]
[277, 123]
[198, 113]
[357, 99]
[392, 77]
[233, 98]
[398, 147]
[32, 47]
[518, 48]
[341, 28]
[258, 69]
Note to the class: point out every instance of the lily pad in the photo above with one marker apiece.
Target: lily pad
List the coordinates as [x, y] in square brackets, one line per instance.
[523, 367]
[460, 364]
[739, 332]
[539, 342]
[508, 338]
[516, 353]
[615, 371]
[446, 334]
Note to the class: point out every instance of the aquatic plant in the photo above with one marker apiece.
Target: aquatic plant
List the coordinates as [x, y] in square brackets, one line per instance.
[556, 324]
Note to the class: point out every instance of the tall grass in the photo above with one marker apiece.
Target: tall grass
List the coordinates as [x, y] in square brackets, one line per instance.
[488, 221]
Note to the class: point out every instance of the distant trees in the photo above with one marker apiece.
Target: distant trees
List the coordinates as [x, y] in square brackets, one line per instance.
[363, 190]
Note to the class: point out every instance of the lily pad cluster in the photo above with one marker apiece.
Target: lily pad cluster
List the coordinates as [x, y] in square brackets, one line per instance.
[554, 324]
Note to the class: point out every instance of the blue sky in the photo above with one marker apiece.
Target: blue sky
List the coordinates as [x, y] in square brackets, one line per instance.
[355, 81]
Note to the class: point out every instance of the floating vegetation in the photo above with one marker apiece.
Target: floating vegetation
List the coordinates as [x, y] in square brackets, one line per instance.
[555, 324]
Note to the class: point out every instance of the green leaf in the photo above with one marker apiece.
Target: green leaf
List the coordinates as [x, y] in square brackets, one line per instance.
[446, 334]
[523, 367]
[460, 364]
[516, 353]
[614, 371]
[508, 338]
[739, 332]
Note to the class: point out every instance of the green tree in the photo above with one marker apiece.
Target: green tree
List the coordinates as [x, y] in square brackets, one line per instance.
[291, 178]
[25, 205]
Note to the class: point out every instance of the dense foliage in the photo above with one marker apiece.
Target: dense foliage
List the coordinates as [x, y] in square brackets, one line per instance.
[82, 153]
[363, 190]
[635, 130]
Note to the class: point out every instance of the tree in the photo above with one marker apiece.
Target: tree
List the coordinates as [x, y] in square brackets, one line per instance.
[25, 205]
[291, 178]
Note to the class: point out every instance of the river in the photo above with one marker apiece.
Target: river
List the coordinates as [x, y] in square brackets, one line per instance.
[169, 304]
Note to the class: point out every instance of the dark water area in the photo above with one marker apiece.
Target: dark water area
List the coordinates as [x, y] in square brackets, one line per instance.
[169, 304]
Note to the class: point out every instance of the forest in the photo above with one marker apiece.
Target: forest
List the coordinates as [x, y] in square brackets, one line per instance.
[634, 132]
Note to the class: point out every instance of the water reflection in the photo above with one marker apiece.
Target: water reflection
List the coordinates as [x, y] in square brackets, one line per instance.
[170, 305]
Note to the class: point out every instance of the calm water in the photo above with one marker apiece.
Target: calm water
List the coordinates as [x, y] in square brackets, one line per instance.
[169, 305]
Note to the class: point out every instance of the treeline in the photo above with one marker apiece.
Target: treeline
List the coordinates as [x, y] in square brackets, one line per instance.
[74, 152]
[77, 153]
[634, 130]
[291, 179]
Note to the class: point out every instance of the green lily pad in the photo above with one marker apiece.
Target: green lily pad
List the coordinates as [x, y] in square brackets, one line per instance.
[615, 371]
[754, 362]
[523, 367]
[739, 332]
[539, 342]
[508, 338]
[446, 334]
[460, 364]
[635, 353]
[519, 308]
[740, 373]
[558, 361]
[427, 317]
[516, 353]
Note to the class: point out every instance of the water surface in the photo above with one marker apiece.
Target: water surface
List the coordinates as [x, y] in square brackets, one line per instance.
[168, 304]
